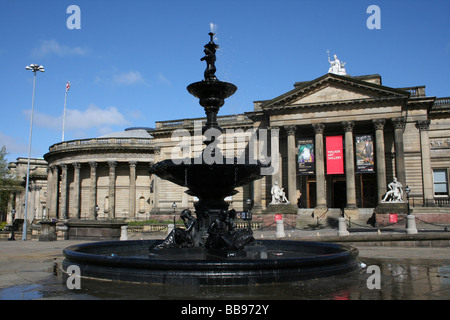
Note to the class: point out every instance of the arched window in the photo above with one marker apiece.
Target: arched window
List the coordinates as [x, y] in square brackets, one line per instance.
[141, 205]
[106, 206]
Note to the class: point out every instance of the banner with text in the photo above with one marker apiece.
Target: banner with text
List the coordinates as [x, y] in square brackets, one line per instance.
[364, 153]
[306, 156]
[335, 156]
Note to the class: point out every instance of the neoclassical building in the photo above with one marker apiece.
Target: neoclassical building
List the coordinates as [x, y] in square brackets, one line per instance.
[37, 197]
[101, 177]
[341, 140]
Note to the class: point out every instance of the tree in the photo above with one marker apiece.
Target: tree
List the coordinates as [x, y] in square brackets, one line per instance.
[9, 183]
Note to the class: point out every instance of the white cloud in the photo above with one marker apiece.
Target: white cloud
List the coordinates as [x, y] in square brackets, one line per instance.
[79, 120]
[128, 78]
[163, 80]
[12, 144]
[52, 47]
[121, 79]
[94, 117]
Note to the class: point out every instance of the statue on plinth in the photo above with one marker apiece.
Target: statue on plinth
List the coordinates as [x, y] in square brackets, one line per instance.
[395, 193]
[278, 195]
[337, 67]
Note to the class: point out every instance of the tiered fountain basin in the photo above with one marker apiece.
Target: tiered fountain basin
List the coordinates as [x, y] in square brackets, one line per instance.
[268, 261]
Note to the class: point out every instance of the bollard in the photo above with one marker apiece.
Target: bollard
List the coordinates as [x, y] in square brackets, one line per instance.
[170, 228]
[280, 229]
[123, 233]
[411, 224]
[342, 227]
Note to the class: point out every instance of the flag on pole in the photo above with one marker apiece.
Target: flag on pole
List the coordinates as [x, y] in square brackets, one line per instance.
[65, 103]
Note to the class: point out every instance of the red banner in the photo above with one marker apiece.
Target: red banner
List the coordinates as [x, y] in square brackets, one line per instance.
[335, 156]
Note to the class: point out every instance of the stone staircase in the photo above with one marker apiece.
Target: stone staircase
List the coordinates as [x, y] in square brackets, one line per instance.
[330, 218]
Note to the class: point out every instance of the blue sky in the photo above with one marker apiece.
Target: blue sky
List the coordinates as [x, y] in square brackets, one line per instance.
[131, 61]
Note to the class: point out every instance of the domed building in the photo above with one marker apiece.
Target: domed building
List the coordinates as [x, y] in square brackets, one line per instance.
[105, 177]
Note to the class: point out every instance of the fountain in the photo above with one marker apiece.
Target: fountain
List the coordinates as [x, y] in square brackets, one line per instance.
[210, 250]
[211, 177]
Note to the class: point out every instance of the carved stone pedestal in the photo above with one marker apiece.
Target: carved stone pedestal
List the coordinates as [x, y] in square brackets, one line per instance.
[382, 213]
[282, 208]
[48, 231]
[94, 229]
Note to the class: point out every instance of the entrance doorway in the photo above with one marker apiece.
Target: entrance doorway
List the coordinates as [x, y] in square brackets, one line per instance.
[338, 193]
[310, 193]
[368, 186]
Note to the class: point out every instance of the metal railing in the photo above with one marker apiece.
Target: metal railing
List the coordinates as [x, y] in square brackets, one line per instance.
[436, 202]
[158, 227]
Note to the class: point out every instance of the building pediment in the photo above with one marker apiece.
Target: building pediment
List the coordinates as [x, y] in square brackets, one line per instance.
[334, 89]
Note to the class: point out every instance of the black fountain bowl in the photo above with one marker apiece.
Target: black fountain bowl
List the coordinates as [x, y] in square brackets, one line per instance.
[203, 180]
[287, 261]
[211, 89]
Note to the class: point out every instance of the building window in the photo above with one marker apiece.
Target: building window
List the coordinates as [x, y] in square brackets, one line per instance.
[440, 182]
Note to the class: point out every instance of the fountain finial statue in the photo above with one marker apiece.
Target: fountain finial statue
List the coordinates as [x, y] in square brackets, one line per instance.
[210, 58]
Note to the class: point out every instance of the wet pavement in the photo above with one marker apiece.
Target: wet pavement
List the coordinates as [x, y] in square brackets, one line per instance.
[30, 270]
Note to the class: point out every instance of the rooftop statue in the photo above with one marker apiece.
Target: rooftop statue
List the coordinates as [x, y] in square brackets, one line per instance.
[337, 67]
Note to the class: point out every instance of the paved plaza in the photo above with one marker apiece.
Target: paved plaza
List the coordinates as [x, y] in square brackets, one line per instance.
[25, 265]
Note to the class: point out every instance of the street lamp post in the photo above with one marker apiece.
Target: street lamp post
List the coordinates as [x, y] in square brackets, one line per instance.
[96, 210]
[35, 68]
[248, 214]
[408, 190]
[174, 206]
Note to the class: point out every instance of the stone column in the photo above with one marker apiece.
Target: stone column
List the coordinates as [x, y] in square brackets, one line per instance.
[380, 157]
[93, 194]
[64, 213]
[32, 201]
[38, 201]
[112, 189]
[427, 172]
[321, 205]
[257, 184]
[274, 155]
[49, 190]
[11, 205]
[399, 124]
[132, 204]
[76, 189]
[350, 167]
[156, 180]
[292, 170]
[55, 193]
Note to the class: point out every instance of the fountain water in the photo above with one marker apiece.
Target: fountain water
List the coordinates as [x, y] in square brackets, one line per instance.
[210, 251]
